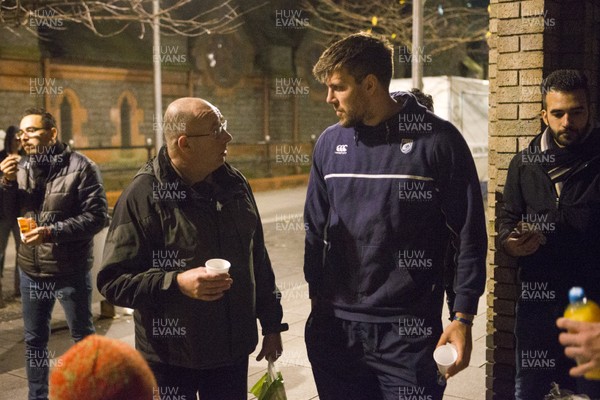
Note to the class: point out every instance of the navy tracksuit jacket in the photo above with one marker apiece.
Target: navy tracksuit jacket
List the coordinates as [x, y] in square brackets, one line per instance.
[381, 206]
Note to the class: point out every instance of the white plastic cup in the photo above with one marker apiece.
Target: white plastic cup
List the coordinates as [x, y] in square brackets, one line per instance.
[445, 356]
[217, 266]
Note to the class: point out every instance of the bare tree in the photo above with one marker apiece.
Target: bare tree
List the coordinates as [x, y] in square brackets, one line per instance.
[447, 23]
[181, 17]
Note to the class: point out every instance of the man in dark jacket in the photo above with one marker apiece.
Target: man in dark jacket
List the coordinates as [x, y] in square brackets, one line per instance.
[551, 222]
[62, 192]
[391, 185]
[195, 328]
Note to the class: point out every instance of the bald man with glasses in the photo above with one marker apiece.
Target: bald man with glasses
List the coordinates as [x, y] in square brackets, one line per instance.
[195, 328]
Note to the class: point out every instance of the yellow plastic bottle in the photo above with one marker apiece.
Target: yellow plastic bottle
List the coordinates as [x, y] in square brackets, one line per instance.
[584, 310]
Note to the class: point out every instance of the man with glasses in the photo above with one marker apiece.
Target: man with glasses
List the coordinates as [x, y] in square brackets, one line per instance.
[61, 192]
[194, 327]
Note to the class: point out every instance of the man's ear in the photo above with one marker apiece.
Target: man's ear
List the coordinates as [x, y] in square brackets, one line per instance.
[182, 142]
[370, 83]
[545, 117]
[54, 134]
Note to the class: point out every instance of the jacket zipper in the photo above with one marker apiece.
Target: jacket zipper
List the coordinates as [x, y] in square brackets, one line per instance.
[28, 180]
[218, 207]
[37, 216]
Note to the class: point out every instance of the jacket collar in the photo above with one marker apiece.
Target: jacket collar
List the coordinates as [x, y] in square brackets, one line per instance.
[409, 121]
[57, 156]
[226, 182]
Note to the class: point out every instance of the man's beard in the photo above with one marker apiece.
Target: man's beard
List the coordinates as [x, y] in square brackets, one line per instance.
[574, 136]
[349, 122]
[351, 119]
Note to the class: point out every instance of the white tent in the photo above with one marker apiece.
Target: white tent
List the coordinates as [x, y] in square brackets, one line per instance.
[464, 102]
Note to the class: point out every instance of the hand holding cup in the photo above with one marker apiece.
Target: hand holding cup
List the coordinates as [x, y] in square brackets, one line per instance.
[445, 356]
[9, 166]
[204, 284]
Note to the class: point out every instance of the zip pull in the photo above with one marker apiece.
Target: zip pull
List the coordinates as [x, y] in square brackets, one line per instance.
[219, 206]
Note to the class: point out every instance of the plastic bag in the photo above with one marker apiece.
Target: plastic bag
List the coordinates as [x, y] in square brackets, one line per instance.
[270, 385]
[563, 394]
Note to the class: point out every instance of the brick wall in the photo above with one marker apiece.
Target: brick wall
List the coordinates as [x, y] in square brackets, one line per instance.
[14, 87]
[516, 65]
[244, 109]
[529, 40]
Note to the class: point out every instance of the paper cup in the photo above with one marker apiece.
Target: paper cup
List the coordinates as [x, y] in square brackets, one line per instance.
[445, 356]
[25, 225]
[217, 265]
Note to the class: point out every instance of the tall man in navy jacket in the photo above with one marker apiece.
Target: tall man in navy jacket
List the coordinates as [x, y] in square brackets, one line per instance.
[391, 185]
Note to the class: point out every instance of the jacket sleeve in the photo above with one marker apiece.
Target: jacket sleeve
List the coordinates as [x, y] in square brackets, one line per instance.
[462, 206]
[514, 205]
[93, 213]
[316, 218]
[127, 278]
[268, 296]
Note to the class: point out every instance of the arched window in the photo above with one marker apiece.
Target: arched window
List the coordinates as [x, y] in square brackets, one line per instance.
[70, 117]
[66, 120]
[127, 117]
[125, 123]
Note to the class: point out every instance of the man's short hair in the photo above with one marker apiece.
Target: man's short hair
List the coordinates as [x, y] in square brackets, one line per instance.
[359, 54]
[564, 80]
[47, 119]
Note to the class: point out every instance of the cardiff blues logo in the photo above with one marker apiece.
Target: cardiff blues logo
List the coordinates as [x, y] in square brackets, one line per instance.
[406, 145]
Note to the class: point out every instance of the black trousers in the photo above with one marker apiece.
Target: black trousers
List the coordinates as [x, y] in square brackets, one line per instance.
[374, 361]
[224, 383]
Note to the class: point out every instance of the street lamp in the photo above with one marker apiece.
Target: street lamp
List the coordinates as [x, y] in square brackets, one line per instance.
[149, 147]
[157, 74]
[417, 44]
[268, 148]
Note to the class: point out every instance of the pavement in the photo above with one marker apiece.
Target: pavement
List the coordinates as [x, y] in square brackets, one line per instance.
[281, 212]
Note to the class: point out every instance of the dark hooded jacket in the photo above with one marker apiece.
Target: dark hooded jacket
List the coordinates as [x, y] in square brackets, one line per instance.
[569, 221]
[161, 226]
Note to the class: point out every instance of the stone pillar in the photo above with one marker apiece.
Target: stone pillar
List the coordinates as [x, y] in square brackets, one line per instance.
[516, 69]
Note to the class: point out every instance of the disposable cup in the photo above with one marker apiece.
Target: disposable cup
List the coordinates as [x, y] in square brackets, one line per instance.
[445, 356]
[217, 265]
[25, 225]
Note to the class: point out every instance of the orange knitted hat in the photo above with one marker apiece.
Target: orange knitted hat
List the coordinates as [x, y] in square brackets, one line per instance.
[99, 368]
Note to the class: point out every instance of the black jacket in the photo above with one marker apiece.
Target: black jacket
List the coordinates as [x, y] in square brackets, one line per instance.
[570, 222]
[160, 227]
[61, 190]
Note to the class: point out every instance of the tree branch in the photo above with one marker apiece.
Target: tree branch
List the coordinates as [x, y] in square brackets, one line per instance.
[221, 18]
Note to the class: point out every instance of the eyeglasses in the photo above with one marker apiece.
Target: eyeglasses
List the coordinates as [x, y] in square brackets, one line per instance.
[216, 133]
[29, 132]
